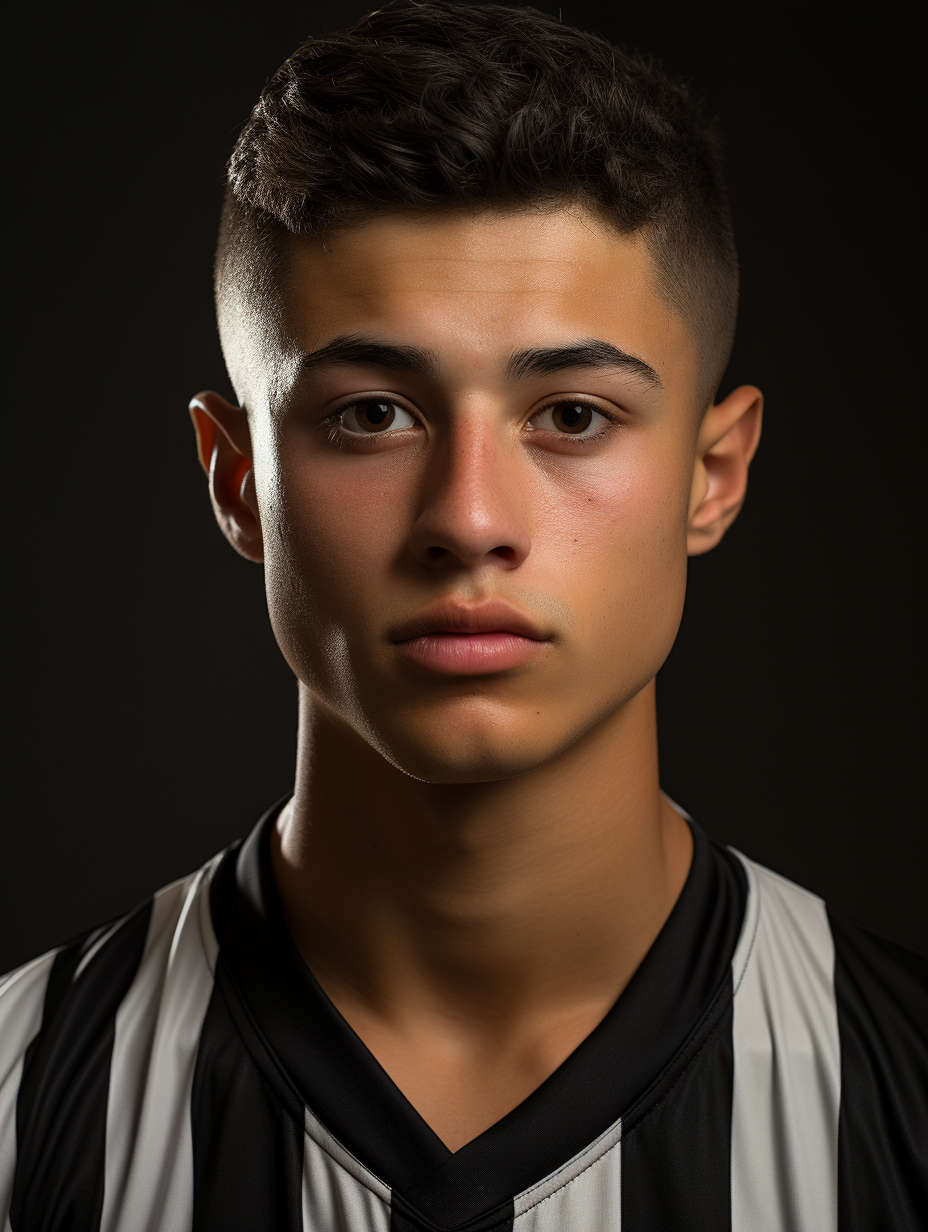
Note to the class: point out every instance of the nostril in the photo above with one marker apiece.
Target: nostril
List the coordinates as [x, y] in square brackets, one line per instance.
[443, 538]
[435, 554]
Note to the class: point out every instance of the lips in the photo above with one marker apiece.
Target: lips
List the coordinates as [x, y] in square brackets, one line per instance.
[484, 616]
[469, 639]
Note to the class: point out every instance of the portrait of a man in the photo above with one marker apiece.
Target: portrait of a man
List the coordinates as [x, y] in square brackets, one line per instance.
[476, 286]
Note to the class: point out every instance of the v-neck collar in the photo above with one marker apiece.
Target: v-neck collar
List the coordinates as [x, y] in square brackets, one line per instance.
[339, 1079]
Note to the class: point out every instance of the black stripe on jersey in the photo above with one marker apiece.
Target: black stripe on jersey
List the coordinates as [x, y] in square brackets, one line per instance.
[882, 994]
[404, 1218]
[302, 1044]
[290, 1018]
[247, 1143]
[676, 1153]
[676, 1139]
[61, 1106]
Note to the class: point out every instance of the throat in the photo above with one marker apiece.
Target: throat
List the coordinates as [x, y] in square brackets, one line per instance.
[459, 1089]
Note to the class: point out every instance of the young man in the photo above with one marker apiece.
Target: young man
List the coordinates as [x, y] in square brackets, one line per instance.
[476, 289]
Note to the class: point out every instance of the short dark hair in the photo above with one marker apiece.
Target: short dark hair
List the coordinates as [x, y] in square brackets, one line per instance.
[428, 105]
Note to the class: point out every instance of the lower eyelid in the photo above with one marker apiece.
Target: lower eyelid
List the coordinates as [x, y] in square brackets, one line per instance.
[574, 439]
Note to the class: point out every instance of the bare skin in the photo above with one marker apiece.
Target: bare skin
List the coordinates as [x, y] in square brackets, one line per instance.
[473, 866]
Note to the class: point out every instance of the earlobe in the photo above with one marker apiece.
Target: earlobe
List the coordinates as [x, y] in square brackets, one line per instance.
[224, 450]
[728, 438]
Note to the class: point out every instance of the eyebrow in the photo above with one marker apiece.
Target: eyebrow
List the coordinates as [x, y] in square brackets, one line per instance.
[355, 350]
[537, 361]
[591, 353]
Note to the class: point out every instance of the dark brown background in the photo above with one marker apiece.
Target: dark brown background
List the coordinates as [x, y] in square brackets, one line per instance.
[153, 718]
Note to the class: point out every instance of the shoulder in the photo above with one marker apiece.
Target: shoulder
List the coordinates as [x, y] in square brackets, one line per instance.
[865, 966]
[884, 972]
[107, 955]
[881, 989]
[875, 981]
[60, 1014]
[103, 962]
[781, 908]
[843, 1009]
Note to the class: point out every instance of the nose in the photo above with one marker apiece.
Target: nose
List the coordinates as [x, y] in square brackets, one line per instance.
[471, 514]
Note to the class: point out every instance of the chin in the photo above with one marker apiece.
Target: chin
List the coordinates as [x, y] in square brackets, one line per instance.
[470, 753]
[427, 766]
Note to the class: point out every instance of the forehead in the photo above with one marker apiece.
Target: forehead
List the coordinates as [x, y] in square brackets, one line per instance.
[475, 288]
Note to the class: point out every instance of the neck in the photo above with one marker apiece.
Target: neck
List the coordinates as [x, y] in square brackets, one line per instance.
[496, 905]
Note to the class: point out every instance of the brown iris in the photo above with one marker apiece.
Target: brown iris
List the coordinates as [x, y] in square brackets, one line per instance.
[572, 417]
[374, 416]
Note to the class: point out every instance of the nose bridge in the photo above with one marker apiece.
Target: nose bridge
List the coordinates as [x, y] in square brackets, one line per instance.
[470, 502]
[468, 465]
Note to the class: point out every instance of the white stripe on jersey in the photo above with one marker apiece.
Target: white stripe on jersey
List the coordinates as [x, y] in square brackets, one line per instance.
[338, 1191]
[594, 1196]
[22, 1000]
[787, 1080]
[148, 1183]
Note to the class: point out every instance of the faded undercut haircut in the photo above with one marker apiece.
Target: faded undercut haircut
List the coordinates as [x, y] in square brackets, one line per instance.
[434, 106]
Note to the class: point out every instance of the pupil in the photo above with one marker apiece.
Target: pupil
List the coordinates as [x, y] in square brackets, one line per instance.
[574, 418]
[378, 414]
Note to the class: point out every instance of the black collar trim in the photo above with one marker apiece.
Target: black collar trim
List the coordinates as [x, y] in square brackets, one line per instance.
[324, 1064]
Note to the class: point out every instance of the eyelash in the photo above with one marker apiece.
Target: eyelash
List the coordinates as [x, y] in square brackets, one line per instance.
[612, 420]
[341, 438]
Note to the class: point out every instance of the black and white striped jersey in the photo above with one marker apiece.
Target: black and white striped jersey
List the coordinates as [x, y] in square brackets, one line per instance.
[766, 1070]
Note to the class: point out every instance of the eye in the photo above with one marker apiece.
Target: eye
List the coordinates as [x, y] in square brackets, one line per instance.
[571, 418]
[374, 416]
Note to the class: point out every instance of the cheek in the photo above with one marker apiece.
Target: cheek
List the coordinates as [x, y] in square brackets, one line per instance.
[623, 540]
[328, 529]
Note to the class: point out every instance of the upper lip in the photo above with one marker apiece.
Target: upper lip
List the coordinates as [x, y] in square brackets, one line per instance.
[457, 616]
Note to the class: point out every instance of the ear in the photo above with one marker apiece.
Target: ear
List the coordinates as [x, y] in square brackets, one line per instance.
[728, 438]
[224, 448]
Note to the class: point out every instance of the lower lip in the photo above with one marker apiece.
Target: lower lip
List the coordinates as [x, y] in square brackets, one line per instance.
[469, 654]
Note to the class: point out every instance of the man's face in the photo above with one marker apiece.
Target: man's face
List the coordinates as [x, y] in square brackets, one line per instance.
[404, 493]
